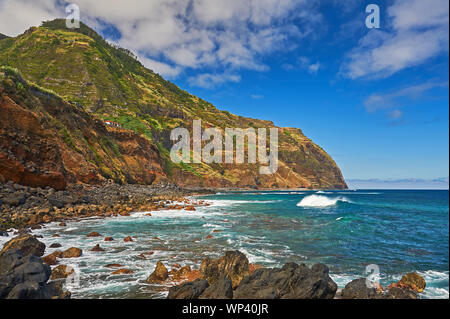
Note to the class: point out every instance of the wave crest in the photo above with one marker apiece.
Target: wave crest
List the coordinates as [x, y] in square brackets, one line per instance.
[320, 201]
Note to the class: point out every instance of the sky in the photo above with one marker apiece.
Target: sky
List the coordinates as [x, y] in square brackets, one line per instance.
[377, 100]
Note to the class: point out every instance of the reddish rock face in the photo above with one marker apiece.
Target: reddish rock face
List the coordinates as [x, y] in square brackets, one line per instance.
[128, 239]
[46, 155]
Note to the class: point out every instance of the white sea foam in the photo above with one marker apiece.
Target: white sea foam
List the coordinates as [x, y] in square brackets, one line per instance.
[320, 201]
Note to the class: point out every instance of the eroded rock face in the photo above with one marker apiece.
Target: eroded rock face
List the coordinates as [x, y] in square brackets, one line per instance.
[290, 282]
[26, 244]
[233, 264]
[189, 290]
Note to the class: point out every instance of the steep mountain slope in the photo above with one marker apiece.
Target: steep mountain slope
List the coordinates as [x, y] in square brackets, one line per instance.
[108, 83]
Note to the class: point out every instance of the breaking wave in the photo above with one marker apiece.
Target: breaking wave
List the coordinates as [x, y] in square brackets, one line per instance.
[320, 201]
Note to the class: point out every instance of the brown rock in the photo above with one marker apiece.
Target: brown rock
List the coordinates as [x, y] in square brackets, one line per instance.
[159, 275]
[128, 239]
[113, 265]
[55, 245]
[61, 272]
[62, 224]
[93, 234]
[72, 252]
[46, 219]
[209, 236]
[55, 235]
[122, 271]
[109, 239]
[97, 248]
[50, 260]
[190, 208]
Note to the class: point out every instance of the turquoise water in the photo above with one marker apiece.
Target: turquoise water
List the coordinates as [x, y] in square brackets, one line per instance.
[400, 231]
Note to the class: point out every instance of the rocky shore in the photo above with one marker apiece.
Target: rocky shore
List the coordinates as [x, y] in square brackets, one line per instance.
[26, 274]
[23, 206]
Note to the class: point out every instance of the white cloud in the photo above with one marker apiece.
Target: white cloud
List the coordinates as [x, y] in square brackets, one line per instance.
[214, 34]
[418, 31]
[397, 98]
[256, 96]
[209, 80]
[303, 63]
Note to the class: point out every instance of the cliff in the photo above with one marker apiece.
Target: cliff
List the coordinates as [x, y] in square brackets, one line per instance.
[69, 82]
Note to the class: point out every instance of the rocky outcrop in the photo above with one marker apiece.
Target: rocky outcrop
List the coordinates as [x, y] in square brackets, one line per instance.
[290, 282]
[26, 277]
[26, 244]
[233, 264]
[159, 275]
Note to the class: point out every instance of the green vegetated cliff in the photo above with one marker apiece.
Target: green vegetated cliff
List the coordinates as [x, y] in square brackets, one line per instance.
[85, 76]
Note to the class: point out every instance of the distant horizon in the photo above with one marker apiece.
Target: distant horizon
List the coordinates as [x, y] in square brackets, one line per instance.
[441, 183]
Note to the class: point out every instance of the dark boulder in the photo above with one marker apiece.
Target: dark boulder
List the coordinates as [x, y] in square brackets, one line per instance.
[357, 289]
[233, 264]
[221, 289]
[189, 290]
[290, 282]
[399, 293]
[27, 244]
[25, 277]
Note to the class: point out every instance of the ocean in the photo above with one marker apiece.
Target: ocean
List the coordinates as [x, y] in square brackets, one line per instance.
[399, 231]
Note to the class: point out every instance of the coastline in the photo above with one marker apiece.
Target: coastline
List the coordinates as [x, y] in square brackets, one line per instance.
[174, 205]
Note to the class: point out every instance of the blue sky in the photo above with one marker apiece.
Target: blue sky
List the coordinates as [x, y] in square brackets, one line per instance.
[375, 99]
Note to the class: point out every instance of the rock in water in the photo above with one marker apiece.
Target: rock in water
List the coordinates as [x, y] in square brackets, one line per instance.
[189, 290]
[159, 275]
[26, 244]
[222, 289]
[61, 272]
[234, 265]
[72, 252]
[290, 282]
